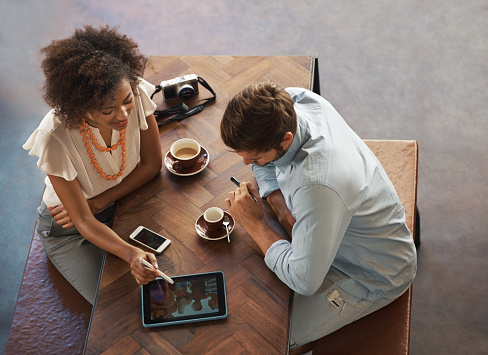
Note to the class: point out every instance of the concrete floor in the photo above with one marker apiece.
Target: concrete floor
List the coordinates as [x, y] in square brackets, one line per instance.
[394, 70]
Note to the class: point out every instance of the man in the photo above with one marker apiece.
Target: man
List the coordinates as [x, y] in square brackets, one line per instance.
[350, 252]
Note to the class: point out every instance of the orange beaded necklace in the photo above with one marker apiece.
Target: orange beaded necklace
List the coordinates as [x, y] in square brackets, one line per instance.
[86, 133]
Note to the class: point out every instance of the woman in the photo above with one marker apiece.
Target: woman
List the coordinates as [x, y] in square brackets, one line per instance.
[99, 143]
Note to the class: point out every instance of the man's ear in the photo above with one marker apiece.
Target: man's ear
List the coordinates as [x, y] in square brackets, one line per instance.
[287, 139]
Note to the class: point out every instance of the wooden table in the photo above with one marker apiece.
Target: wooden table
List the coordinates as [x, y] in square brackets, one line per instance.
[258, 302]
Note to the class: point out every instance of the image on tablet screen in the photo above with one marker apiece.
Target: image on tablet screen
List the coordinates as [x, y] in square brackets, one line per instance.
[182, 299]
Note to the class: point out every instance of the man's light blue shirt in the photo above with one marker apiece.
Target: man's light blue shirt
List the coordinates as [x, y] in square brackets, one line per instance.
[349, 218]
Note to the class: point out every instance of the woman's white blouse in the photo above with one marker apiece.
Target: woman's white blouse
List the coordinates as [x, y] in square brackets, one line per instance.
[63, 153]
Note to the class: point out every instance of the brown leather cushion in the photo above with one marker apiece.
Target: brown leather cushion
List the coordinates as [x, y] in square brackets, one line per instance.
[386, 331]
[50, 317]
[400, 161]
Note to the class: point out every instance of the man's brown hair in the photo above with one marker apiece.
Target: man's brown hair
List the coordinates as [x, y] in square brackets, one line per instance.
[257, 118]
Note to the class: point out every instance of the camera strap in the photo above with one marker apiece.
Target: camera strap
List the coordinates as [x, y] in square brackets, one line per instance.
[182, 109]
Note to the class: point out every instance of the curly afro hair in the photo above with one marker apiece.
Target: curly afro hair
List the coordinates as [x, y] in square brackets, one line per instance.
[83, 71]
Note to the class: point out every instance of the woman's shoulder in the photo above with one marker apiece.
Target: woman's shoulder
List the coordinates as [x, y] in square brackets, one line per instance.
[51, 123]
[146, 86]
[147, 106]
[50, 131]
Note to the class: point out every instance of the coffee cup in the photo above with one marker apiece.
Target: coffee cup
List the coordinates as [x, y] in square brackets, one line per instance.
[186, 152]
[214, 217]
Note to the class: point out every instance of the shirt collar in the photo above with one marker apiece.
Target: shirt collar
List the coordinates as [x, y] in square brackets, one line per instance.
[296, 144]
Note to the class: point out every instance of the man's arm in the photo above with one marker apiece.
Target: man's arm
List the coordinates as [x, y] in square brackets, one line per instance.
[266, 178]
[250, 215]
[322, 220]
[277, 202]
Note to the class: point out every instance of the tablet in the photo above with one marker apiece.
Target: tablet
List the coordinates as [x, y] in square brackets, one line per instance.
[192, 298]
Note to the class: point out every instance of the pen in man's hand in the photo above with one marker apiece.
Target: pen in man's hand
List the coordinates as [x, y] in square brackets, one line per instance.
[162, 274]
[235, 181]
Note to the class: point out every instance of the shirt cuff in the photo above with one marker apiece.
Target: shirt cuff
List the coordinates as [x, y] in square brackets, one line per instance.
[275, 251]
[266, 179]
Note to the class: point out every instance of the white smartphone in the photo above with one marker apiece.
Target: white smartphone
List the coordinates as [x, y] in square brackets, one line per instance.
[152, 240]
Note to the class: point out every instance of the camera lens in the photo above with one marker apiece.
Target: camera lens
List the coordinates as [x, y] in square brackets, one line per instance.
[186, 92]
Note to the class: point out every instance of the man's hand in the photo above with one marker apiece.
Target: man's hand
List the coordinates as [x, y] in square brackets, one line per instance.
[250, 215]
[243, 208]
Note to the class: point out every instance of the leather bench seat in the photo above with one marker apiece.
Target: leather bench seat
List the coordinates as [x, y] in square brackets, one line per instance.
[50, 316]
[386, 331]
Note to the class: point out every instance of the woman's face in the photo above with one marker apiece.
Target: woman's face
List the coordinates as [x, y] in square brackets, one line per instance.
[114, 113]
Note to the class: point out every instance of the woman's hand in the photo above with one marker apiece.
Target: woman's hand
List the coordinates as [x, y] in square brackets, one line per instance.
[61, 216]
[142, 274]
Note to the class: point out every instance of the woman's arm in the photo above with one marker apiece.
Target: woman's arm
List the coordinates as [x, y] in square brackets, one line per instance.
[76, 210]
[73, 200]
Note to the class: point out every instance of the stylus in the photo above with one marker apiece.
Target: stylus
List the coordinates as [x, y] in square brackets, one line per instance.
[162, 274]
[235, 181]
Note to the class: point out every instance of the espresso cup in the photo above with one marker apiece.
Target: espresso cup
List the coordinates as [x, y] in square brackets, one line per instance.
[186, 152]
[214, 217]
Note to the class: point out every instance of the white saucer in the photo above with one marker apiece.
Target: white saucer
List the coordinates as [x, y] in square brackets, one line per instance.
[201, 164]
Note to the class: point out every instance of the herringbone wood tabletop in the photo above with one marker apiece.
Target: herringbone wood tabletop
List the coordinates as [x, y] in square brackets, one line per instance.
[257, 300]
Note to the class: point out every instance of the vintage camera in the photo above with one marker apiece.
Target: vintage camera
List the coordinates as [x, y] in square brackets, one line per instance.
[182, 87]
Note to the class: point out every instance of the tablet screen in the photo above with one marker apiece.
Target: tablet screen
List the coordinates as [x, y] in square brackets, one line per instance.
[192, 298]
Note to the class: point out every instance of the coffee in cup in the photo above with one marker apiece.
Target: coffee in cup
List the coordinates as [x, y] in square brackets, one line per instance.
[214, 217]
[186, 152]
